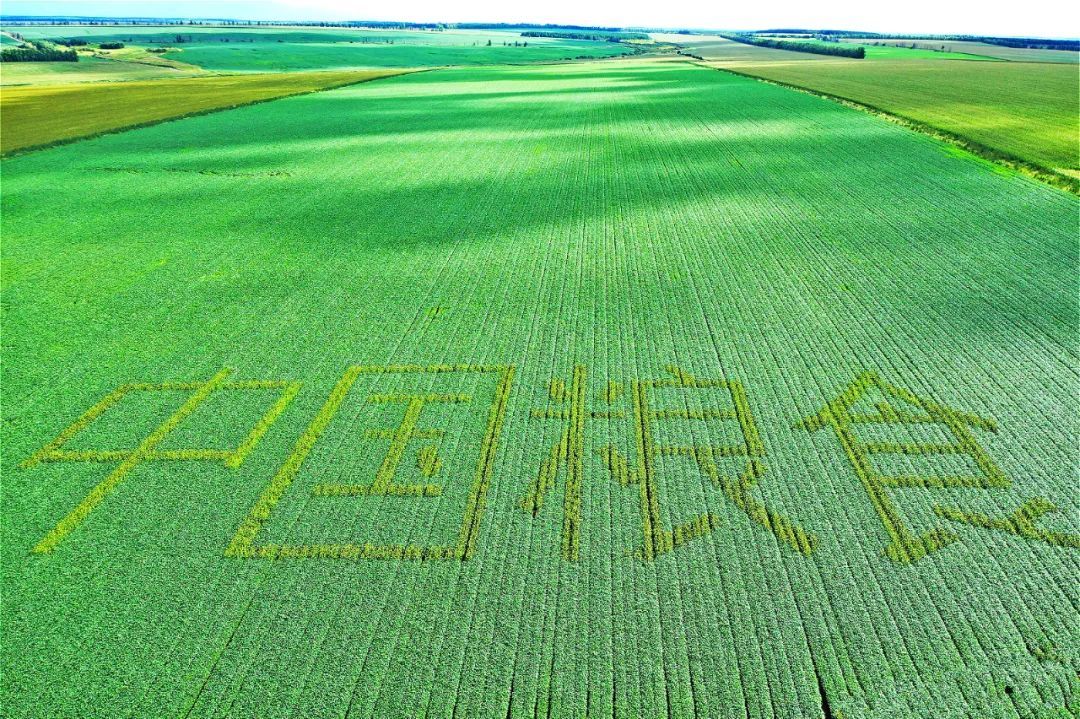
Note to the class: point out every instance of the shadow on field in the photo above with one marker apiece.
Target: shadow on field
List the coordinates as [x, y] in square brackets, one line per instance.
[501, 154]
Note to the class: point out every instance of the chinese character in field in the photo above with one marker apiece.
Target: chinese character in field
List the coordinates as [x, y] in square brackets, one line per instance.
[897, 408]
[642, 471]
[1021, 522]
[568, 454]
[149, 448]
[399, 438]
[411, 437]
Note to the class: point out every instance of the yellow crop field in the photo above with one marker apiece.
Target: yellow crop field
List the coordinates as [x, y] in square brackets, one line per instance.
[35, 116]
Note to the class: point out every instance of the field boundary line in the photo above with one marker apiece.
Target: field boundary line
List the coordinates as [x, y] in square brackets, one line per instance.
[196, 113]
[984, 152]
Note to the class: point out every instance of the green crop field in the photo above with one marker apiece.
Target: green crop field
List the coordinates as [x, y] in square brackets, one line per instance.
[266, 50]
[885, 52]
[627, 388]
[1016, 54]
[1022, 110]
[87, 69]
[890, 50]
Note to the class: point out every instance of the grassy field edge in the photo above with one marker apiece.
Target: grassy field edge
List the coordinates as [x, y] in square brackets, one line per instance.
[985, 152]
[204, 111]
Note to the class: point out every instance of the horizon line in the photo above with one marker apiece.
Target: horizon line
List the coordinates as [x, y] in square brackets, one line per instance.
[673, 29]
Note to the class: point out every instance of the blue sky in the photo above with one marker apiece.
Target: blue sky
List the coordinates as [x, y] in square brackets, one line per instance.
[1049, 18]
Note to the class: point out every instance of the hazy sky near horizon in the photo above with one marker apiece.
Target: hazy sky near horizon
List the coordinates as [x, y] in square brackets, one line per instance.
[1049, 18]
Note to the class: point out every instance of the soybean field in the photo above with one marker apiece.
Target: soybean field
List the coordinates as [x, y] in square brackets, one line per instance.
[621, 388]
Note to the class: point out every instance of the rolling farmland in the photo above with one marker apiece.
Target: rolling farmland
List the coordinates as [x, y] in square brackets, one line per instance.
[1018, 54]
[400, 49]
[622, 388]
[923, 50]
[1026, 111]
[292, 49]
[88, 69]
[35, 116]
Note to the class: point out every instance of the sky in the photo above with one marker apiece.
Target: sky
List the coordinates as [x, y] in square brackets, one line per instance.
[1042, 18]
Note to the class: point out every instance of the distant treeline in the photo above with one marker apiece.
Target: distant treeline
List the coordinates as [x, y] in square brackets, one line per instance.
[80, 42]
[838, 50]
[1029, 43]
[797, 31]
[580, 35]
[38, 51]
[374, 24]
[1017, 42]
[1033, 43]
[521, 26]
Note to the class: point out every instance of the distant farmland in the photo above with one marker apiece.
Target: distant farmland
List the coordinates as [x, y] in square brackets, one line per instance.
[281, 49]
[1001, 52]
[626, 388]
[36, 116]
[1020, 110]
